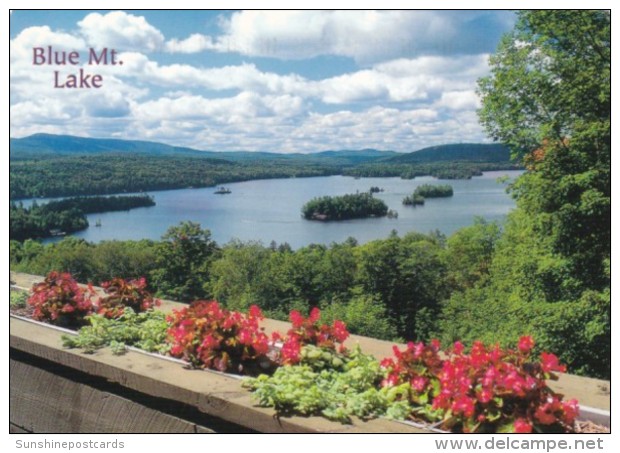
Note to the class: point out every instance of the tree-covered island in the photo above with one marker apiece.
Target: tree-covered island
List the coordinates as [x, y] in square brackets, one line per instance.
[350, 206]
[428, 191]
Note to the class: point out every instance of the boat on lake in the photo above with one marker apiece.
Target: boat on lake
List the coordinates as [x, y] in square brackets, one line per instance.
[222, 191]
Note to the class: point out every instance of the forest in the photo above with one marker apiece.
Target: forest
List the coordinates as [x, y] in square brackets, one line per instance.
[65, 216]
[545, 272]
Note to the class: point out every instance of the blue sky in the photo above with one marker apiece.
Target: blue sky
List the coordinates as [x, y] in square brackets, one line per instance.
[299, 81]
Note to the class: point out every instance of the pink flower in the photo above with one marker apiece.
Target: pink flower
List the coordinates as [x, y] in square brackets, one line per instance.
[419, 383]
[526, 343]
[522, 426]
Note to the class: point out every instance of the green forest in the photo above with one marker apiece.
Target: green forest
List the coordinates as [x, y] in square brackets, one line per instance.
[544, 272]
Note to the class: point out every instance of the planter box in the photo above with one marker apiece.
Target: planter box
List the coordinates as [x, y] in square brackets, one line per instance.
[53, 389]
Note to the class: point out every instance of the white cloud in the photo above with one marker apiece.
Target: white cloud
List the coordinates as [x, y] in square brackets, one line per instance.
[366, 36]
[195, 43]
[459, 100]
[245, 107]
[21, 47]
[121, 31]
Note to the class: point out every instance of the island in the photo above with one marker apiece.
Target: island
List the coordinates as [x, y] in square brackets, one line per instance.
[427, 191]
[61, 217]
[350, 206]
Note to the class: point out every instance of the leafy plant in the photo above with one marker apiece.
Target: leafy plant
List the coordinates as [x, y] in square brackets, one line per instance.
[147, 330]
[334, 385]
[209, 336]
[60, 300]
[18, 299]
[122, 294]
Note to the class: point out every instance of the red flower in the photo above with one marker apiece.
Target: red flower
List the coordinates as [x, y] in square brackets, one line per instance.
[549, 362]
[255, 312]
[296, 319]
[571, 410]
[390, 381]
[315, 315]
[340, 332]
[458, 348]
[485, 395]
[522, 426]
[525, 345]
[464, 405]
[290, 351]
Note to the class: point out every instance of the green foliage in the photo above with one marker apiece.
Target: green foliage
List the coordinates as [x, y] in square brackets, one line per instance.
[548, 98]
[469, 253]
[335, 392]
[408, 276]
[183, 258]
[146, 330]
[433, 190]
[17, 299]
[363, 316]
[351, 206]
[109, 173]
[248, 274]
[414, 200]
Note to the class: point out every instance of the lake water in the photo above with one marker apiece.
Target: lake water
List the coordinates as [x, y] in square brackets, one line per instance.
[270, 210]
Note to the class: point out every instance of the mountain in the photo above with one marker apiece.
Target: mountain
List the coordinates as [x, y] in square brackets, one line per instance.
[38, 145]
[464, 152]
[48, 145]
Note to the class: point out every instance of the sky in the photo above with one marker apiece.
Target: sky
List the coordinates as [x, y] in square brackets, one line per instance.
[278, 81]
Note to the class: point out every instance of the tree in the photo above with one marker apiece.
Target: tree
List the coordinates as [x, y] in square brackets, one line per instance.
[548, 98]
[183, 260]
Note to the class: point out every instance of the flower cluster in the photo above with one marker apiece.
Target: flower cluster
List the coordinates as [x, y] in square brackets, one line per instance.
[308, 331]
[419, 365]
[60, 300]
[487, 390]
[121, 293]
[210, 336]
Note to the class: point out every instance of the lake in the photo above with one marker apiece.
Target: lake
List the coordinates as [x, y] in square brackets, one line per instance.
[270, 210]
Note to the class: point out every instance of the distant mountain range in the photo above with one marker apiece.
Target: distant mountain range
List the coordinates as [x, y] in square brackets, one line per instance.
[48, 145]
[471, 152]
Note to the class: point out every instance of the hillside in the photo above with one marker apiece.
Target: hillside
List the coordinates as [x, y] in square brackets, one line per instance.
[462, 152]
[49, 145]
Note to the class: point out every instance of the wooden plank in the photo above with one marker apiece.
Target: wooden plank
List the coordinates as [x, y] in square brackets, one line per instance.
[43, 402]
